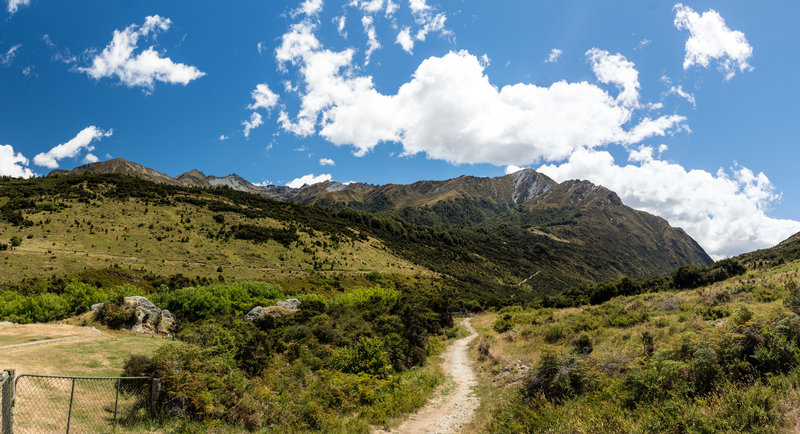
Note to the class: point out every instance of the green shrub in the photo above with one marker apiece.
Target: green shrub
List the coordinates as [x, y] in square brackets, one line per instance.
[554, 333]
[82, 296]
[366, 296]
[714, 313]
[704, 370]
[115, 313]
[502, 325]
[557, 378]
[792, 299]
[368, 356]
[653, 382]
[743, 315]
[614, 315]
[583, 344]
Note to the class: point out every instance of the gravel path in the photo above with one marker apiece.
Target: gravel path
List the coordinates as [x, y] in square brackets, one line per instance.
[43, 341]
[451, 412]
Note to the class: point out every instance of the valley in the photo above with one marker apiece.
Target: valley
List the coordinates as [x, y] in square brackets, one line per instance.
[553, 277]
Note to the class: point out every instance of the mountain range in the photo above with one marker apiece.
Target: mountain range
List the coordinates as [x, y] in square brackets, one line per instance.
[572, 213]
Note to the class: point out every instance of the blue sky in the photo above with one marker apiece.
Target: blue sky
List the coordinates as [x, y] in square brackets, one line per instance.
[686, 110]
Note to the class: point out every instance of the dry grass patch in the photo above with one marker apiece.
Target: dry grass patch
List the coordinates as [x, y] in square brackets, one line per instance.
[85, 352]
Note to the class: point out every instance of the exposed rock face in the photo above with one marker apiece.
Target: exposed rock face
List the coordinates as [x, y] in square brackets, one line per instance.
[281, 308]
[254, 314]
[148, 318]
[289, 303]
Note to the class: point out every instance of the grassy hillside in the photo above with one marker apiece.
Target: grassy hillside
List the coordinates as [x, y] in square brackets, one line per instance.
[720, 358]
[69, 224]
[177, 238]
[579, 215]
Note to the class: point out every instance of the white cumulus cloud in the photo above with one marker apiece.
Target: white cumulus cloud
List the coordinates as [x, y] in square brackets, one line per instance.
[13, 163]
[341, 22]
[370, 6]
[649, 127]
[554, 55]
[711, 39]
[141, 69]
[309, 179]
[426, 19]
[616, 69]
[255, 121]
[725, 212]
[70, 149]
[678, 90]
[263, 97]
[405, 40]
[372, 38]
[309, 7]
[14, 5]
[449, 110]
[8, 57]
[512, 169]
[326, 162]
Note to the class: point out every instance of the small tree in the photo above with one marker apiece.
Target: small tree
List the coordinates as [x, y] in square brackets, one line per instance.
[647, 343]
[15, 241]
[792, 300]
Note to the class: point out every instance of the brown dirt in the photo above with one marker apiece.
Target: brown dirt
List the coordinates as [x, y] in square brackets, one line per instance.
[452, 411]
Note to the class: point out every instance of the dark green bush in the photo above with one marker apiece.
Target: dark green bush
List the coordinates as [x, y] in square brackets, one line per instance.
[792, 299]
[115, 313]
[714, 313]
[554, 333]
[583, 344]
[368, 355]
[502, 325]
[557, 378]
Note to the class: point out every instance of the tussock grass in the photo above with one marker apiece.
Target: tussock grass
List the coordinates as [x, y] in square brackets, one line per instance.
[660, 362]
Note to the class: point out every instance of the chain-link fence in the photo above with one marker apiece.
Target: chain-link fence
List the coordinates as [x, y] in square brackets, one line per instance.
[46, 403]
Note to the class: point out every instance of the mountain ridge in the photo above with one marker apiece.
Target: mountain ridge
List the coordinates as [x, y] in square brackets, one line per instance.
[575, 211]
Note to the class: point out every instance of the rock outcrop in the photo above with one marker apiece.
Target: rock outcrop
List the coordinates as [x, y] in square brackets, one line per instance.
[147, 318]
[281, 308]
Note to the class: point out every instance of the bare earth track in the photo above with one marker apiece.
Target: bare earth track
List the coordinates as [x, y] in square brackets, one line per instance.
[451, 412]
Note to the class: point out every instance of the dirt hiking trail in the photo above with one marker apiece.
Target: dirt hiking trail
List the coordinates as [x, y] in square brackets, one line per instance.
[451, 412]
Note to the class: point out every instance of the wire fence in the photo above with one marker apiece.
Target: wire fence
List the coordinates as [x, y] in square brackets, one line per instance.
[46, 403]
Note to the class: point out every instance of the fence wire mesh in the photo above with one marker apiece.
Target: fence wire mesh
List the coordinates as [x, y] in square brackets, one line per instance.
[80, 405]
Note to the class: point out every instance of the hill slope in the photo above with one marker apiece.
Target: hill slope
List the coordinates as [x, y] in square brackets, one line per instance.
[786, 251]
[517, 236]
[721, 358]
[574, 211]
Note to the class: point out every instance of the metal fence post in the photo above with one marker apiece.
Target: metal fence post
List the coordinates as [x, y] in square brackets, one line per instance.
[8, 402]
[155, 389]
[116, 403]
[71, 397]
